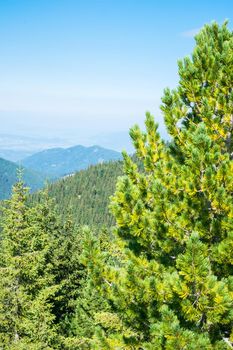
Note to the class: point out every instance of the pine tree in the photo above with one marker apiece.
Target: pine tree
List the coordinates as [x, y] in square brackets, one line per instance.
[172, 284]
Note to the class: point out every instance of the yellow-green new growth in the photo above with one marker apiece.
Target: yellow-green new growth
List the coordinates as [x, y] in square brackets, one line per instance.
[174, 213]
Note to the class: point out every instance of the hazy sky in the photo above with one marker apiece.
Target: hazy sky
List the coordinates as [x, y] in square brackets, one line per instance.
[78, 68]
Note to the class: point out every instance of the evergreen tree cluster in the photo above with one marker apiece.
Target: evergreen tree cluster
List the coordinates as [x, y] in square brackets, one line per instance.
[85, 195]
[40, 274]
[162, 277]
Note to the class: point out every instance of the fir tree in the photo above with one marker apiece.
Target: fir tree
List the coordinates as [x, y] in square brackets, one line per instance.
[91, 305]
[26, 284]
[41, 274]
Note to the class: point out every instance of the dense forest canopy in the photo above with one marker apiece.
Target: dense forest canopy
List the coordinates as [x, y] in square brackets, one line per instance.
[85, 195]
[163, 277]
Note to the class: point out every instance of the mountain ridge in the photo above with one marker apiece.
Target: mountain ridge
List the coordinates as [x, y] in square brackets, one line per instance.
[8, 177]
[58, 162]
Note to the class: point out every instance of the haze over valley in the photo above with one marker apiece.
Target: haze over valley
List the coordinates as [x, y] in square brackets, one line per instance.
[116, 175]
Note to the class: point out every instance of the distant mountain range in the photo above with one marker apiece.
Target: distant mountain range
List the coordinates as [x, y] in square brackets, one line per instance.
[58, 162]
[8, 177]
[17, 147]
[50, 165]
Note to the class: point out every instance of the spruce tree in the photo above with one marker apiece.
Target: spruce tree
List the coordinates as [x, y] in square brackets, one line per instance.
[172, 284]
[70, 277]
[26, 284]
[40, 271]
[91, 305]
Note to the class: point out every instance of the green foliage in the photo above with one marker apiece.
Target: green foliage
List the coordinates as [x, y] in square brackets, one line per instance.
[40, 272]
[163, 277]
[91, 306]
[172, 283]
[26, 282]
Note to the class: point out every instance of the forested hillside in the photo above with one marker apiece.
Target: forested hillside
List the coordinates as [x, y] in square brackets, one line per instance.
[162, 277]
[57, 162]
[85, 195]
[8, 177]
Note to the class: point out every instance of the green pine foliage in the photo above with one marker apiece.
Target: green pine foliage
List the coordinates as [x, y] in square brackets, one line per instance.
[162, 278]
[172, 287]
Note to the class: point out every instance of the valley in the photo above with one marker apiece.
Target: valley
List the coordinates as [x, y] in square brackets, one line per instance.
[116, 175]
[53, 164]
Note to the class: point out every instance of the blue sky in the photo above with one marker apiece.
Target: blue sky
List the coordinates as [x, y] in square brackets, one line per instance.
[79, 69]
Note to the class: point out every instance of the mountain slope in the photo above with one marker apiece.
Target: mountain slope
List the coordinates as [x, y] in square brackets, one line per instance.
[59, 162]
[85, 195]
[8, 176]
